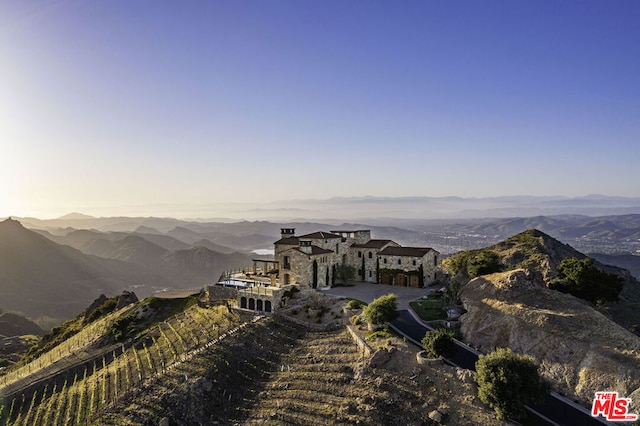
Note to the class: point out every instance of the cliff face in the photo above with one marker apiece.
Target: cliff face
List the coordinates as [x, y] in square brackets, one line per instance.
[579, 349]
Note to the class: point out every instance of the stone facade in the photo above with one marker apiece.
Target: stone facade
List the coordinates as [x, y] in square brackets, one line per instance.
[311, 260]
[408, 266]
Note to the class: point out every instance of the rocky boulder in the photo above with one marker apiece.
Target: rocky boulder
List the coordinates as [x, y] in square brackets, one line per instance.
[579, 349]
[126, 298]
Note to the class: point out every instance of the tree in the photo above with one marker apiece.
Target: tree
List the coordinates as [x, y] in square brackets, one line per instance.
[485, 262]
[381, 310]
[506, 381]
[581, 278]
[314, 283]
[438, 343]
[345, 273]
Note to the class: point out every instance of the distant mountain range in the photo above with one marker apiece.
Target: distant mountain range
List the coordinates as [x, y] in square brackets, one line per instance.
[108, 255]
[43, 277]
[368, 209]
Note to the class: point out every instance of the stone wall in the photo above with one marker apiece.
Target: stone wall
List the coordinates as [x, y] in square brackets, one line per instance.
[362, 345]
[218, 293]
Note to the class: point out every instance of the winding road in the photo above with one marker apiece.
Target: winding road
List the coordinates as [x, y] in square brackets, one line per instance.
[554, 410]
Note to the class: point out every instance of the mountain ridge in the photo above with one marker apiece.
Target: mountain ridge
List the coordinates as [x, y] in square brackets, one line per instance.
[44, 278]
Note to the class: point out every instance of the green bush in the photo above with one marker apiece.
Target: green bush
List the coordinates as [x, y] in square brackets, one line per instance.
[485, 262]
[379, 334]
[356, 320]
[507, 381]
[381, 310]
[108, 306]
[582, 279]
[354, 304]
[438, 343]
[122, 326]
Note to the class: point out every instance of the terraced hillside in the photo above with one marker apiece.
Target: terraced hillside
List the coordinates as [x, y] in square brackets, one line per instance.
[76, 381]
[274, 370]
[181, 364]
[312, 384]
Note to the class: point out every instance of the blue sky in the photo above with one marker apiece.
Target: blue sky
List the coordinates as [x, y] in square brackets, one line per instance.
[120, 106]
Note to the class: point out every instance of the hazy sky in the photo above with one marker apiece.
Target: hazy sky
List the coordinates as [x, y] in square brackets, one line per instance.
[108, 105]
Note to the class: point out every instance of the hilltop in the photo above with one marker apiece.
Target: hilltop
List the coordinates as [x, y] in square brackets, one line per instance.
[536, 251]
[508, 291]
[531, 249]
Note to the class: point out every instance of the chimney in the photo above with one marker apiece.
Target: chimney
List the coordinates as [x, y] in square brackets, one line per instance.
[287, 232]
[305, 246]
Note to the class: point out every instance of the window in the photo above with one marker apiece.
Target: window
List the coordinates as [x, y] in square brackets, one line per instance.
[286, 265]
[370, 255]
[359, 254]
[384, 260]
[399, 261]
[369, 274]
[337, 248]
[414, 262]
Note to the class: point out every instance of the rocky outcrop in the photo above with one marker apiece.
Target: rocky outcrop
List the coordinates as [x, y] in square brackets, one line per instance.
[579, 349]
[94, 306]
[126, 298]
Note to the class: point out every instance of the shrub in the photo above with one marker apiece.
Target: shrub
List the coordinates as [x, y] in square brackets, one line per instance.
[354, 304]
[356, 320]
[108, 306]
[379, 334]
[291, 292]
[582, 279]
[381, 310]
[485, 262]
[506, 381]
[438, 343]
[121, 326]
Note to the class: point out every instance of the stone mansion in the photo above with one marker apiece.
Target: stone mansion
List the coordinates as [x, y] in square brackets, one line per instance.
[313, 260]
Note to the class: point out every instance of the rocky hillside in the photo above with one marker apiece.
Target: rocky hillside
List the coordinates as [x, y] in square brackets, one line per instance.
[580, 350]
[534, 250]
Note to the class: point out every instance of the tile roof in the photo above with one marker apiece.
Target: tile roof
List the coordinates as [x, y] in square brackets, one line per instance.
[318, 250]
[315, 250]
[320, 235]
[375, 244]
[289, 241]
[405, 251]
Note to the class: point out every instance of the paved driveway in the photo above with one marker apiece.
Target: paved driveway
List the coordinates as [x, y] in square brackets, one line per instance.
[367, 292]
